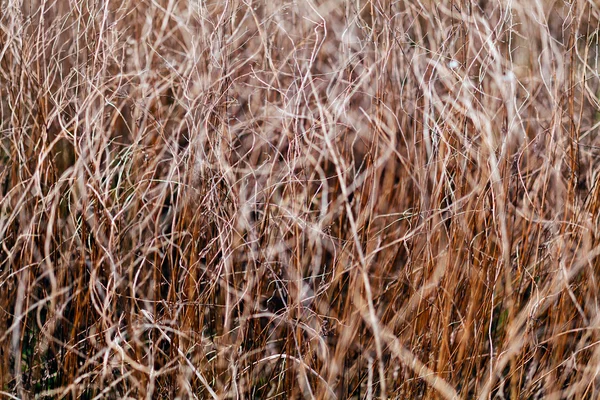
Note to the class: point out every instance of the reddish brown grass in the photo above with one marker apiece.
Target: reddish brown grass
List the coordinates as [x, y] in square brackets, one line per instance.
[299, 199]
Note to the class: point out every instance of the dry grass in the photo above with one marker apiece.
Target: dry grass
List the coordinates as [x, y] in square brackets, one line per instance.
[299, 199]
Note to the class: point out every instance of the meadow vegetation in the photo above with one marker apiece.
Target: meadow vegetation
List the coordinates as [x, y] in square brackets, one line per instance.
[299, 199]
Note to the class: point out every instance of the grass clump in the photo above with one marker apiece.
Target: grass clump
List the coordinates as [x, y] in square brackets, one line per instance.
[299, 199]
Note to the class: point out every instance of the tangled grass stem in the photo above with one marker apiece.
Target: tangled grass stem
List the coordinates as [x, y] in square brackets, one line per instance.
[299, 199]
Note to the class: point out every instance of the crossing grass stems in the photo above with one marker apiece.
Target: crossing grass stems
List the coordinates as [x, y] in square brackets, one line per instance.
[299, 199]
